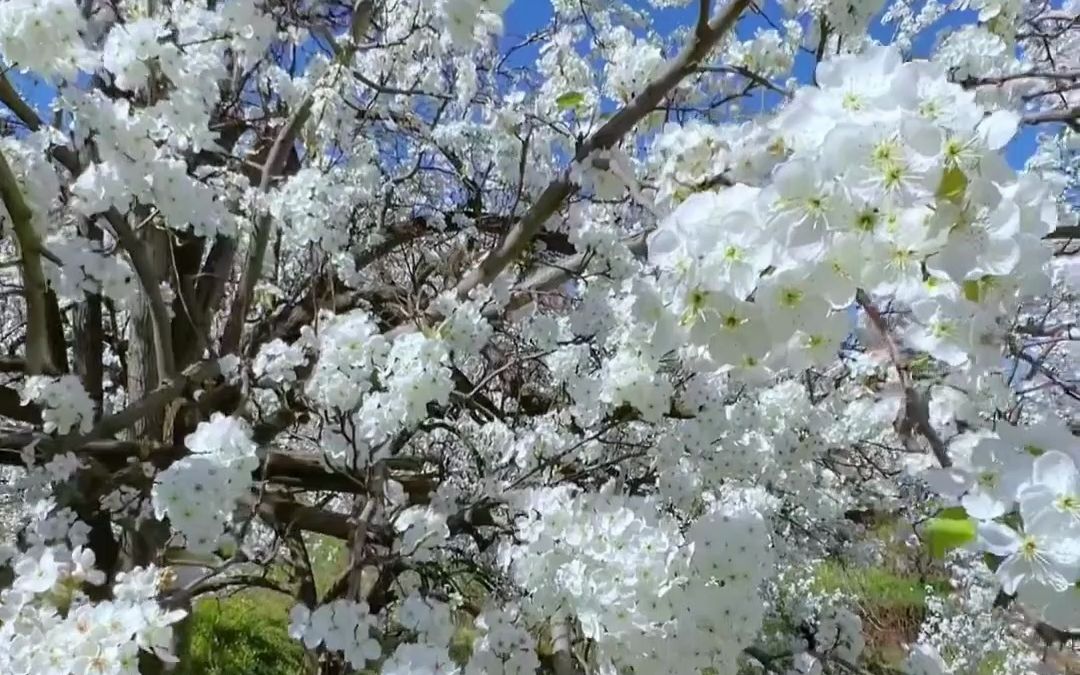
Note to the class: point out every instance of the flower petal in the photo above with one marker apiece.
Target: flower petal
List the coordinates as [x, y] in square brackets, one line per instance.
[997, 538]
[999, 128]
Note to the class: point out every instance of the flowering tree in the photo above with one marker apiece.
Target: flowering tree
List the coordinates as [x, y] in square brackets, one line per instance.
[596, 340]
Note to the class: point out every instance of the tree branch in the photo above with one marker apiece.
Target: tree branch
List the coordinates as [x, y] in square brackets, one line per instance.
[15, 103]
[916, 413]
[159, 313]
[234, 327]
[283, 143]
[706, 36]
[1068, 116]
[39, 357]
[11, 406]
[1065, 232]
[150, 404]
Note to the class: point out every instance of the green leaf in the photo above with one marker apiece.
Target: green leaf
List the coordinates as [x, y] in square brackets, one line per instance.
[571, 99]
[953, 185]
[972, 290]
[953, 513]
[1034, 450]
[952, 528]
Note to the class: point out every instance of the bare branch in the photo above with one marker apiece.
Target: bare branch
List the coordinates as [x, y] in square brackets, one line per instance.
[150, 404]
[563, 659]
[11, 406]
[14, 102]
[1068, 116]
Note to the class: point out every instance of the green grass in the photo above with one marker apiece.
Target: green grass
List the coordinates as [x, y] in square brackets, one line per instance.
[874, 586]
[244, 634]
[247, 633]
[892, 605]
[329, 557]
[993, 663]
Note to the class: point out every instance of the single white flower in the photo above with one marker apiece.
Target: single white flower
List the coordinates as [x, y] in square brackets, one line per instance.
[998, 470]
[1054, 490]
[37, 574]
[1041, 554]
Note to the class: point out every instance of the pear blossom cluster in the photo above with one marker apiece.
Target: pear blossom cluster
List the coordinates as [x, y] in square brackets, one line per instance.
[902, 166]
[423, 531]
[576, 540]
[350, 351]
[340, 626]
[840, 633]
[49, 625]
[36, 177]
[348, 627]
[48, 621]
[469, 20]
[384, 385]
[277, 361]
[769, 52]
[1030, 472]
[638, 585]
[420, 658]
[137, 146]
[465, 330]
[85, 269]
[505, 646]
[974, 50]
[416, 375]
[316, 206]
[65, 405]
[44, 37]
[427, 617]
[961, 634]
[632, 65]
[199, 493]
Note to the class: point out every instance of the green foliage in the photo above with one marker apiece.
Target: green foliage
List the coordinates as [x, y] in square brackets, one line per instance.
[977, 290]
[461, 645]
[245, 634]
[992, 663]
[921, 366]
[952, 528]
[953, 185]
[571, 99]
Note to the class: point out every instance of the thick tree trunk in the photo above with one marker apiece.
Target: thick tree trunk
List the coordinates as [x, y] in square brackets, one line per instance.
[143, 542]
[142, 375]
[88, 334]
[191, 324]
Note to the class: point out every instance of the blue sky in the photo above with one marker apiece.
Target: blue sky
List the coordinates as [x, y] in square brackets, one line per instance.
[526, 16]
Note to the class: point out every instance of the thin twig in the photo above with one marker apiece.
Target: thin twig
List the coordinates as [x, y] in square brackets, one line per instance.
[916, 412]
